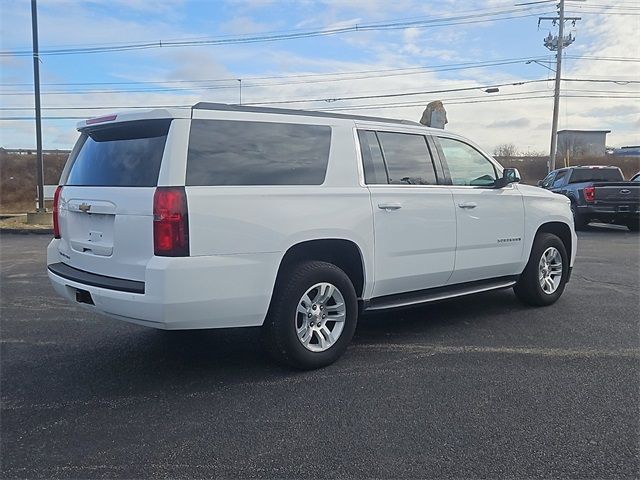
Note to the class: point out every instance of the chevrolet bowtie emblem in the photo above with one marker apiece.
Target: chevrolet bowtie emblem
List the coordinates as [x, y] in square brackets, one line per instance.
[84, 207]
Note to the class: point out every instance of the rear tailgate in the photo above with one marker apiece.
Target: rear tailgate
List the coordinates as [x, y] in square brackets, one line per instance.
[106, 204]
[617, 192]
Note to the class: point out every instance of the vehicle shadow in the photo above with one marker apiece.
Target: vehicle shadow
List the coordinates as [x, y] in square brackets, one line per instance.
[139, 361]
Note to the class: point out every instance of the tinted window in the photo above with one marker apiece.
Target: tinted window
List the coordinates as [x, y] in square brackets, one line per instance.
[559, 180]
[374, 169]
[408, 159]
[257, 153]
[579, 175]
[466, 165]
[121, 155]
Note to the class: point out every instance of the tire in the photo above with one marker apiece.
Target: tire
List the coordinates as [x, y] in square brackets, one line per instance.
[580, 222]
[284, 319]
[633, 225]
[529, 289]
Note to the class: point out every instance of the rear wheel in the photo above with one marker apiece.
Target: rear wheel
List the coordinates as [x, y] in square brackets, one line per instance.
[312, 317]
[543, 279]
[633, 225]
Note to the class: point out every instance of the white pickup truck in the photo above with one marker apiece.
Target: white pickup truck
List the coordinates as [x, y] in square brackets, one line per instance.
[296, 221]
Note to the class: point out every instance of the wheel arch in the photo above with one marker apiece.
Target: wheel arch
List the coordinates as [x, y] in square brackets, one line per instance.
[345, 254]
[562, 231]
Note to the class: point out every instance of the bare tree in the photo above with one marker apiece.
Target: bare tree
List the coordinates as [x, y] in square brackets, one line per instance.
[529, 152]
[505, 150]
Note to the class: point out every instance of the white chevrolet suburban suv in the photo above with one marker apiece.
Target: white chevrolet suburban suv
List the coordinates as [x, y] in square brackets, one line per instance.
[295, 221]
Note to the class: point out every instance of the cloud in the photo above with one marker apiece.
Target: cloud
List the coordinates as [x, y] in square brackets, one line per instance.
[612, 111]
[528, 121]
[508, 123]
[243, 25]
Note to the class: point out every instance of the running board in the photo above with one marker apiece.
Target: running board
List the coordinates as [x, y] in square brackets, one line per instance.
[436, 294]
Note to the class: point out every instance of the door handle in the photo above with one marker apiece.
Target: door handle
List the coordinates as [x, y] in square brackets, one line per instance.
[468, 205]
[389, 206]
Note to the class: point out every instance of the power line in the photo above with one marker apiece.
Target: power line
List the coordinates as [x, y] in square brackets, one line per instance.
[332, 78]
[604, 59]
[460, 102]
[611, 94]
[205, 37]
[342, 76]
[400, 94]
[519, 95]
[464, 102]
[428, 23]
[460, 65]
[364, 97]
[360, 97]
[404, 94]
[601, 80]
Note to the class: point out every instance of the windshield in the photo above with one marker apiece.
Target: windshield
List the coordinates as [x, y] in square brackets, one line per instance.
[119, 155]
[580, 175]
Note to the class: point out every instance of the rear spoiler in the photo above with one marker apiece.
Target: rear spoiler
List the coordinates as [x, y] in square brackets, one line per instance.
[132, 115]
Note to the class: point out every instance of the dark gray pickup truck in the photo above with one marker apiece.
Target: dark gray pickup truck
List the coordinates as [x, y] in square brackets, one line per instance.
[597, 193]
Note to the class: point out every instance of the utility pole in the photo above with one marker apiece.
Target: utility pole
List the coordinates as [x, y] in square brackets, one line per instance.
[557, 44]
[240, 90]
[556, 92]
[36, 83]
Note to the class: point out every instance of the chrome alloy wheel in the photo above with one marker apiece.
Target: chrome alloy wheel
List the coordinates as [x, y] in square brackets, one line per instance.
[320, 317]
[550, 270]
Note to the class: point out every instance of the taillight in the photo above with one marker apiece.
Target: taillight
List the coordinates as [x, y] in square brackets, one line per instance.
[56, 206]
[589, 193]
[170, 222]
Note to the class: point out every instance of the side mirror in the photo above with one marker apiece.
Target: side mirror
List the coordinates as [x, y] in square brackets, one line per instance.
[540, 183]
[509, 176]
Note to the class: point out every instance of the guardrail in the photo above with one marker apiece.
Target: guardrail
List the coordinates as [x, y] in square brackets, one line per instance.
[28, 151]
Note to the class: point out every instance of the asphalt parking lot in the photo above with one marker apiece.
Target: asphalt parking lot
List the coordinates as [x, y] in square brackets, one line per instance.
[476, 388]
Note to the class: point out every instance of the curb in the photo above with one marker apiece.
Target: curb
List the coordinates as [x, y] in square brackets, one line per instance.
[27, 231]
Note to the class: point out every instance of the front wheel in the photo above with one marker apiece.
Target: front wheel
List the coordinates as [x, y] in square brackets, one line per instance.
[312, 317]
[580, 222]
[545, 276]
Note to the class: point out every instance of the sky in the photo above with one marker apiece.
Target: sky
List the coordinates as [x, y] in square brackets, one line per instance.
[426, 46]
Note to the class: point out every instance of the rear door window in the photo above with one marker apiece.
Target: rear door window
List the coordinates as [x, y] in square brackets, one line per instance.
[225, 152]
[375, 172]
[127, 154]
[407, 158]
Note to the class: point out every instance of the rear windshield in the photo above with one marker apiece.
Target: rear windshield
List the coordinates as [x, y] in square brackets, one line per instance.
[595, 175]
[119, 155]
[225, 152]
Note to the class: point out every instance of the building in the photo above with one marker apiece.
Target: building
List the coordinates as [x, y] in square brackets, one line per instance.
[582, 143]
[630, 151]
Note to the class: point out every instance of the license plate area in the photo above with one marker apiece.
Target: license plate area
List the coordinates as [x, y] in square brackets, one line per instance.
[91, 233]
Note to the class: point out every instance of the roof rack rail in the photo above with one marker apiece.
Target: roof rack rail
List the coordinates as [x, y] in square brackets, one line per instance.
[288, 111]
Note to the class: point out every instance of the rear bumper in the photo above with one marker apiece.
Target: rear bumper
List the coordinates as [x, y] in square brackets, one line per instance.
[612, 211]
[178, 293]
[94, 280]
